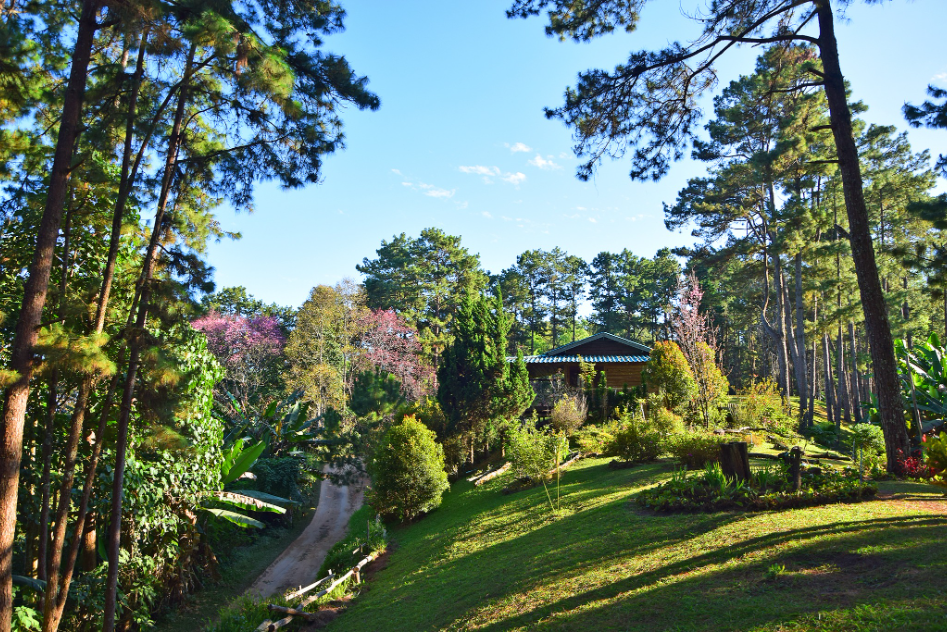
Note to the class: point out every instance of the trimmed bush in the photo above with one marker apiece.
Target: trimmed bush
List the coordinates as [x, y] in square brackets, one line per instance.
[407, 471]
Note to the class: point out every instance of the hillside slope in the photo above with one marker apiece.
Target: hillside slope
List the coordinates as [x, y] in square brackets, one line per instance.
[492, 562]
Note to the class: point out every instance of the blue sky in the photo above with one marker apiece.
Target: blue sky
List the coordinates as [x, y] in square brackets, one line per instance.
[461, 143]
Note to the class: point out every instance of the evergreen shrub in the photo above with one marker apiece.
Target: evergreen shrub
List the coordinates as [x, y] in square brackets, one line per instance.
[407, 471]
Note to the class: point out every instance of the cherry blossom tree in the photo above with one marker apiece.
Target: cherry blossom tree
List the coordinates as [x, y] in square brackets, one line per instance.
[250, 348]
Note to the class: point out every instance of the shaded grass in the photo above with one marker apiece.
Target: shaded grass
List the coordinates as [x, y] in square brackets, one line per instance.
[492, 562]
[239, 568]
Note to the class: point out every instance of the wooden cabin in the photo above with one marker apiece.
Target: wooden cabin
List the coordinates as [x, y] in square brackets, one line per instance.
[621, 359]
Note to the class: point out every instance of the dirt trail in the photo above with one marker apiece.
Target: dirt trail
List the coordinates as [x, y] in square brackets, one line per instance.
[300, 562]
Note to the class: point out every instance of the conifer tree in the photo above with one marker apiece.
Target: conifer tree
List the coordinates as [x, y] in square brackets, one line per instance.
[478, 389]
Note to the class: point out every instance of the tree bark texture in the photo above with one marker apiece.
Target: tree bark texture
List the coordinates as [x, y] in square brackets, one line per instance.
[863, 255]
[34, 299]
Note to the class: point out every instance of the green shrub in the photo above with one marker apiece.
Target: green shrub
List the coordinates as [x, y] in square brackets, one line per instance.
[661, 419]
[695, 450]
[935, 453]
[761, 405]
[569, 413]
[279, 477]
[532, 453]
[711, 490]
[592, 439]
[669, 375]
[635, 443]
[823, 433]
[870, 441]
[407, 471]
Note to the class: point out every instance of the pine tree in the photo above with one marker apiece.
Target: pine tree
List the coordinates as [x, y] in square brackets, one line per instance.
[650, 105]
[478, 389]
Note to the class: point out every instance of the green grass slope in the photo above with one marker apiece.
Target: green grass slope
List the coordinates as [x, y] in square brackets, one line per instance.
[487, 561]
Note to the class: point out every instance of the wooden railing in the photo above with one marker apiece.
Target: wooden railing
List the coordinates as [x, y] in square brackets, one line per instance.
[331, 582]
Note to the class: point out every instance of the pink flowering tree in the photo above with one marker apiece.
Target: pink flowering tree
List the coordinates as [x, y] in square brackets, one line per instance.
[389, 344]
[250, 348]
[697, 339]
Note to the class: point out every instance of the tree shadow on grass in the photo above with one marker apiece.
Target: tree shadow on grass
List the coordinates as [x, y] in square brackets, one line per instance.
[541, 577]
[836, 566]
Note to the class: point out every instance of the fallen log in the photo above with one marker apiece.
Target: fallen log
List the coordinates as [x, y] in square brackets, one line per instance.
[575, 456]
[308, 616]
[491, 475]
[807, 457]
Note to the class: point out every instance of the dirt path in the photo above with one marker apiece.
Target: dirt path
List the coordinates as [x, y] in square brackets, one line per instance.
[300, 562]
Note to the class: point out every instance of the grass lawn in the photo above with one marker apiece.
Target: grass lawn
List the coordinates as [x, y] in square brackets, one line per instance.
[239, 568]
[492, 562]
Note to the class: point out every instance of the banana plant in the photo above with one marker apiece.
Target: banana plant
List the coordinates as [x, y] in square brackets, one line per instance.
[237, 461]
[925, 366]
[283, 424]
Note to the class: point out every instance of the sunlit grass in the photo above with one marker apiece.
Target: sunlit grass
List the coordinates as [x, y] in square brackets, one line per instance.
[493, 562]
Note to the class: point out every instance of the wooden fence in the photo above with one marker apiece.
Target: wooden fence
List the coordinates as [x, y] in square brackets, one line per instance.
[331, 582]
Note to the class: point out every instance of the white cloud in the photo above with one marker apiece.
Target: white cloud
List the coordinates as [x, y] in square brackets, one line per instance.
[488, 173]
[480, 170]
[487, 215]
[514, 178]
[435, 192]
[462, 205]
[543, 163]
[396, 171]
[519, 147]
[939, 77]
[593, 220]
[407, 184]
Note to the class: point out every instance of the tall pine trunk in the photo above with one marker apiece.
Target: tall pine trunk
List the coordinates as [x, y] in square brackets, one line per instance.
[34, 299]
[113, 540]
[857, 390]
[843, 395]
[866, 269]
[58, 585]
[830, 405]
[802, 370]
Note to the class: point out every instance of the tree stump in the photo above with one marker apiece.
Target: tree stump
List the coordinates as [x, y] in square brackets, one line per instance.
[735, 460]
[795, 468]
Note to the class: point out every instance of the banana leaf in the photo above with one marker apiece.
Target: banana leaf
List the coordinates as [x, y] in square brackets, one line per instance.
[240, 520]
[269, 498]
[243, 462]
[248, 502]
